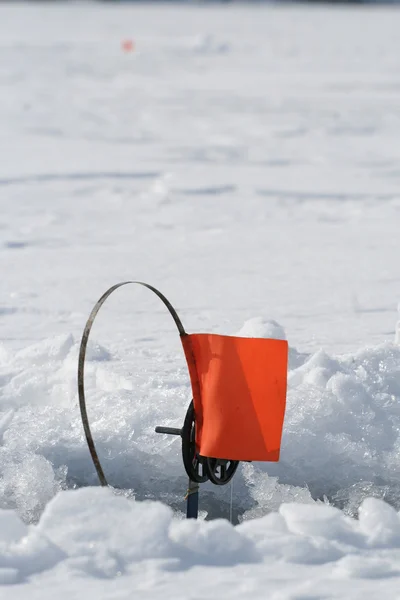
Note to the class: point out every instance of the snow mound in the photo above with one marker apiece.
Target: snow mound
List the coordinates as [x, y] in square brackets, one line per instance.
[341, 433]
[23, 550]
[259, 327]
[95, 524]
[94, 533]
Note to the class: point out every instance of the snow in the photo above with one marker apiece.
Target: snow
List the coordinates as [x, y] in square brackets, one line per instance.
[244, 160]
[91, 537]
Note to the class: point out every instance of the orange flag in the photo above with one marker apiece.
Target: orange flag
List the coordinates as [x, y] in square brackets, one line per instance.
[239, 390]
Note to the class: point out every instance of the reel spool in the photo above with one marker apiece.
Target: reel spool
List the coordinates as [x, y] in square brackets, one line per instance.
[220, 470]
[200, 468]
[192, 461]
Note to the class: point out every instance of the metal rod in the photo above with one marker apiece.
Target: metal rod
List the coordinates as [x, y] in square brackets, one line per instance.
[82, 357]
[170, 430]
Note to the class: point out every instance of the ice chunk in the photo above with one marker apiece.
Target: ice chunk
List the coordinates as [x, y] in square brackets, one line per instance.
[380, 523]
[56, 348]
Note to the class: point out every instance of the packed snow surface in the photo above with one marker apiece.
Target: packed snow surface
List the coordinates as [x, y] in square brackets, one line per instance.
[88, 539]
[245, 161]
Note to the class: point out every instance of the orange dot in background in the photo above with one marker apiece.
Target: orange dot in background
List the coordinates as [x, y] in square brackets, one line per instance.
[128, 45]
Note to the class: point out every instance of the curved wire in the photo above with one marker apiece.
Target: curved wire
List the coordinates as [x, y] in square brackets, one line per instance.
[81, 364]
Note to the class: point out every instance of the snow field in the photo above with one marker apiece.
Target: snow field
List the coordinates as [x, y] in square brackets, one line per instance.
[245, 161]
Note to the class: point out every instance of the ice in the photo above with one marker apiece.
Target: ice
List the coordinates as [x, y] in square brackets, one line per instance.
[380, 522]
[269, 493]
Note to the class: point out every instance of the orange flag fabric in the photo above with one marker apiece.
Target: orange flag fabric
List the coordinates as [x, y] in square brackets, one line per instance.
[239, 391]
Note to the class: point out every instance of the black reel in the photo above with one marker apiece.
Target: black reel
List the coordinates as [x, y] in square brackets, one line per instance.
[194, 463]
[200, 468]
[220, 470]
